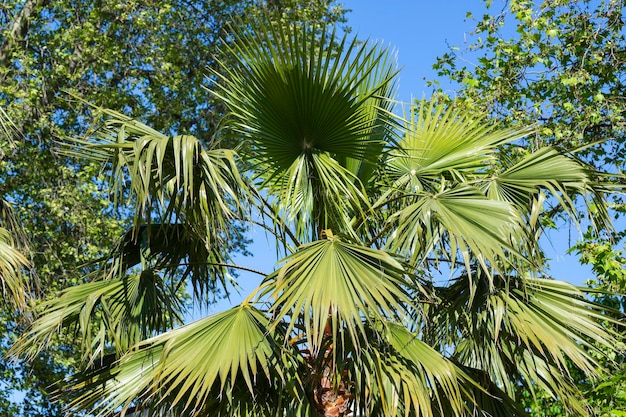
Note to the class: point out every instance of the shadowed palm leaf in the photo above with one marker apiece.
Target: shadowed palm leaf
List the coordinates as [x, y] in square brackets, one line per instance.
[524, 331]
[405, 376]
[130, 308]
[194, 194]
[302, 105]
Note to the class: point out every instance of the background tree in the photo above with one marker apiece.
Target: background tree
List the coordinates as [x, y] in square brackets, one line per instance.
[368, 207]
[556, 63]
[143, 57]
[559, 65]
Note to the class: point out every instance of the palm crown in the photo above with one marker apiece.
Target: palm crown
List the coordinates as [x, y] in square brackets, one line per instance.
[368, 206]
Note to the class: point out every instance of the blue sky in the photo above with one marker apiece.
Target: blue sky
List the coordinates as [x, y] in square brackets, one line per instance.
[418, 30]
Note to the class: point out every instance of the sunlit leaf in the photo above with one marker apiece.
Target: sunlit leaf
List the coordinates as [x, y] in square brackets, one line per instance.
[330, 284]
[189, 368]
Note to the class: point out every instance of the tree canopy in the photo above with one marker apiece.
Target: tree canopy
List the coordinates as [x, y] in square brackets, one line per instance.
[558, 64]
[414, 283]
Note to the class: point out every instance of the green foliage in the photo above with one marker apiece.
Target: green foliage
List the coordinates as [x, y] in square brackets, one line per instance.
[147, 58]
[559, 65]
[606, 258]
[416, 287]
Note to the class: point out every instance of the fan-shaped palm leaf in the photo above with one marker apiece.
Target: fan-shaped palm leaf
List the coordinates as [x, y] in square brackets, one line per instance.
[173, 171]
[402, 375]
[129, 310]
[330, 284]
[442, 142]
[459, 220]
[547, 170]
[185, 198]
[193, 367]
[178, 251]
[322, 192]
[524, 331]
[296, 95]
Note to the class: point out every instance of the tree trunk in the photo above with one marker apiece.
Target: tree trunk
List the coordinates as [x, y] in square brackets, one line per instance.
[332, 398]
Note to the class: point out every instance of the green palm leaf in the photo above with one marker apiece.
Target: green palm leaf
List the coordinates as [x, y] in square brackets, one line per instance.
[13, 280]
[171, 171]
[329, 284]
[129, 309]
[440, 142]
[316, 190]
[193, 367]
[290, 93]
[457, 220]
[298, 98]
[548, 171]
[525, 331]
[13, 263]
[185, 198]
[407, 377]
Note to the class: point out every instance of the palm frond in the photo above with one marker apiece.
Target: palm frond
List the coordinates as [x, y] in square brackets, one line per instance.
[318, 192]
[127, 310]
[329, 287]
[547, 170]
[178, 251]
[299, 96]
[185, 197]
[526, 331]
[405, 376]
[458, 220]
[13, 278]
[442, 142]
[173, 172]
[190, 369]
[484, 397]
[13, 263]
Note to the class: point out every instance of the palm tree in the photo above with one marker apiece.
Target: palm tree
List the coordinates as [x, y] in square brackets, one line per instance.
[413, 282]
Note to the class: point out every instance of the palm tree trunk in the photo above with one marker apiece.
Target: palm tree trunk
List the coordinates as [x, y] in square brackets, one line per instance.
[332, 398]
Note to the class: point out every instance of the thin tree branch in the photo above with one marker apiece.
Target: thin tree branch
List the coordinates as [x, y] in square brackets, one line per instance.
[243, 268]
[274, 215]
[19, 29]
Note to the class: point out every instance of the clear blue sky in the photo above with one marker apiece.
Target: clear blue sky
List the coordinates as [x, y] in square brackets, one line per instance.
[419, 31]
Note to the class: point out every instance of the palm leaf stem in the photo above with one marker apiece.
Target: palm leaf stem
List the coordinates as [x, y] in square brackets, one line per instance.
[378, 235]
[274, 216]
[226, 265]
[359, 220]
